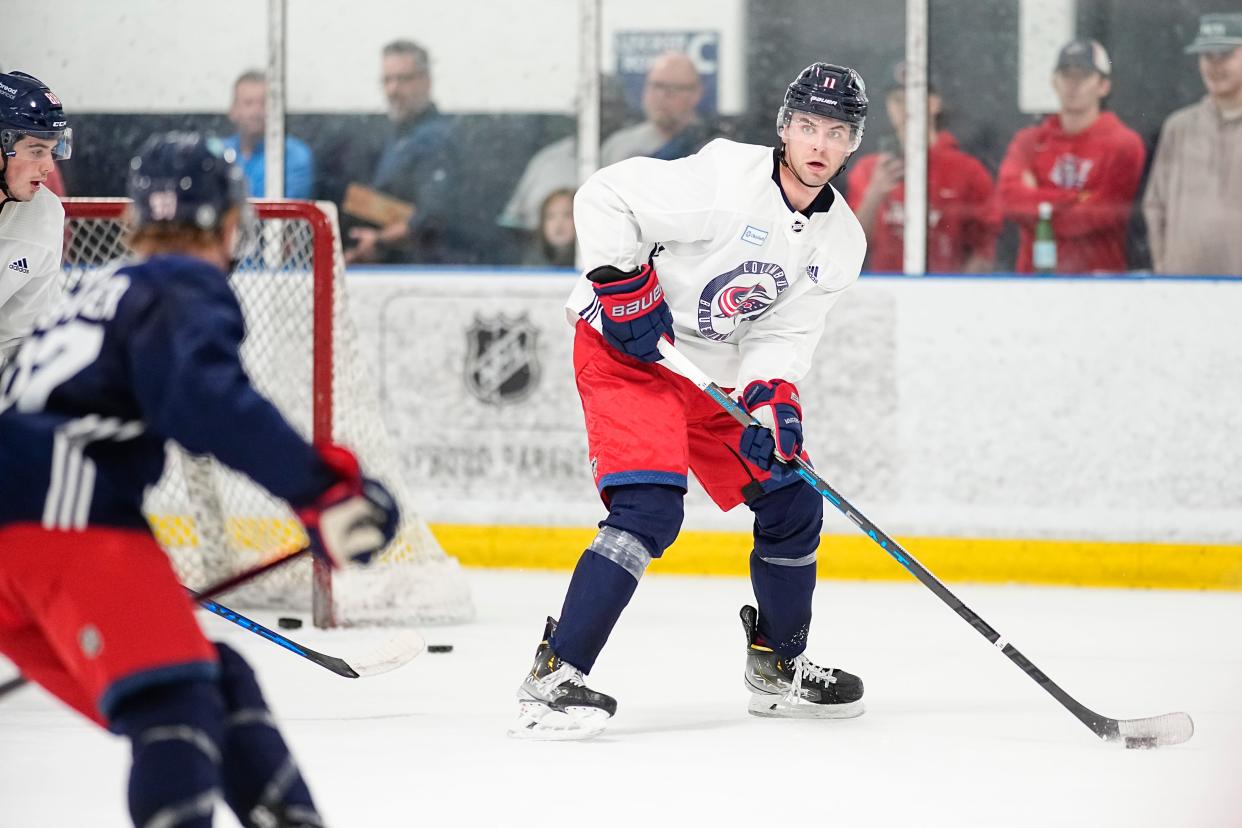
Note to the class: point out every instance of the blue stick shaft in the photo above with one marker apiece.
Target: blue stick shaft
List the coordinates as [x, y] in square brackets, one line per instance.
[1102, 726]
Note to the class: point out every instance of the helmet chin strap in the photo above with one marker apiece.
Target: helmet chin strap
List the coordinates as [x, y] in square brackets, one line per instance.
[4, 178]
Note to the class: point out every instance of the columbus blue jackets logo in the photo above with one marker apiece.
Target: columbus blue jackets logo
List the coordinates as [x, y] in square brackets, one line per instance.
[741, 295]
[501, 361]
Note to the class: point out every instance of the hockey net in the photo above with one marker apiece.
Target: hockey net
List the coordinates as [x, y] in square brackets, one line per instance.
[301, 351]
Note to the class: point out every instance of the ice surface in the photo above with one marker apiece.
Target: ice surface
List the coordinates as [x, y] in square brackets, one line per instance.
[954, 734]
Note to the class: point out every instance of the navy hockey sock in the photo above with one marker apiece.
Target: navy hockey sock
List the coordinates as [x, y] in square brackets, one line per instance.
[784, 596]
[261, 778]
[643, 520]
[782, 565]
[598, 592]
[175, 730]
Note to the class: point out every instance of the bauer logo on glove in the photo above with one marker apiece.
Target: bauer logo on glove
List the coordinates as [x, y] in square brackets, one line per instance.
[638, 306]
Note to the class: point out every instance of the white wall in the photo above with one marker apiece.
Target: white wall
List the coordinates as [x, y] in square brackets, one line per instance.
[1044, 27]
[1077, 409]
[183, 55]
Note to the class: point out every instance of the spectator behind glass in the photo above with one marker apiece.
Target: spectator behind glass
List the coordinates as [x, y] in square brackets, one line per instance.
[554, 242]
[961, 235]
[248, 113]
[1193, 203]
[555, 167]
[1083, 162]
[672, 128]
[417, 166]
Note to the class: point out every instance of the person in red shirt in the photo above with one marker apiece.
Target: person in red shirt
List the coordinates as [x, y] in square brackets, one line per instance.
[961, 228]
[1084, 162]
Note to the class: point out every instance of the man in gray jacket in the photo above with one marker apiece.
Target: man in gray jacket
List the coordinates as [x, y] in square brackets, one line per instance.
[1193, 203]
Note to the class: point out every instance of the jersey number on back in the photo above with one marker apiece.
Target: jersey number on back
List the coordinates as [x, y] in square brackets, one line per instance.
[47, 360]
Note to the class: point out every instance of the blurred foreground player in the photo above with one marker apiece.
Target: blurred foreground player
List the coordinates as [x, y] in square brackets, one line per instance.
[34, 134]
[89, 605]
[753, 247]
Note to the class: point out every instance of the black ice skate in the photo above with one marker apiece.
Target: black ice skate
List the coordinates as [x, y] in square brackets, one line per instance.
[795, 688]
[554, 701]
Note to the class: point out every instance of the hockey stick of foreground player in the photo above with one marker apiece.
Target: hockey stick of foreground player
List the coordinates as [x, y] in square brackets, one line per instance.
[393, 653]
[1154, 731]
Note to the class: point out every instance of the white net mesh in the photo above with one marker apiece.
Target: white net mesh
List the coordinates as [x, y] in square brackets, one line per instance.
[215, 522]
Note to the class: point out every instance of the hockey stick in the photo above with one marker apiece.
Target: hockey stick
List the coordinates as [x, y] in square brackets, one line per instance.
[400, 649]
[1154, 731]
[397, 651]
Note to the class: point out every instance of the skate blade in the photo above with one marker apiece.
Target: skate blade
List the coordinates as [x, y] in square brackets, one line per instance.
[776, 707]
[538, 722]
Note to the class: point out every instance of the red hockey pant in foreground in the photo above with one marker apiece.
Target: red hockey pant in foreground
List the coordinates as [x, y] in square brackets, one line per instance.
[96, 614]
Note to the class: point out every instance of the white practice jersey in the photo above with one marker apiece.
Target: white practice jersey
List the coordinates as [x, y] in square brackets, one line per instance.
[32, 236]
[748, 279]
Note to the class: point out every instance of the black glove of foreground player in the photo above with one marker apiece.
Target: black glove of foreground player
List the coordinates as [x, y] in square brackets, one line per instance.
[635, 315]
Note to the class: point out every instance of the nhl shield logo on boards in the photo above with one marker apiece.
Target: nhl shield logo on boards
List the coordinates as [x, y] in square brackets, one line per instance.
[501, 361]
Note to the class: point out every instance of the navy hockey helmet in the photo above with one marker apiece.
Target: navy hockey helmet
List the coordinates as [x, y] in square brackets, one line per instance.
[830, 91]
[29, 108]
[185, 178]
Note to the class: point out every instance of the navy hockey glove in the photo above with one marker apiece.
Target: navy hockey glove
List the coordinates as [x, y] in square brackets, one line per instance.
[775, 404]
[635, 315]
[355, 518]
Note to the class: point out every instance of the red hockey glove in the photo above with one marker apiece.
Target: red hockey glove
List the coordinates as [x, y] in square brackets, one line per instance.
[355, 518]
[774, 403]
[635, 315]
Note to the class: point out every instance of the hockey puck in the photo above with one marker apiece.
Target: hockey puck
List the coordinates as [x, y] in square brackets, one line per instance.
[289, 623]
[439, 648]
[1140, 742]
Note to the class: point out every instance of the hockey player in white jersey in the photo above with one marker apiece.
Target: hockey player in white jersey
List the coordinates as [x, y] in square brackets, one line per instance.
[737, 254]
[34, 133]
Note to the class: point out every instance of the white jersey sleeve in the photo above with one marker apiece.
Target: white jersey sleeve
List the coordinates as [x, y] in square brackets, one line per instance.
[624, 210]
[32, 235]
[748, 279]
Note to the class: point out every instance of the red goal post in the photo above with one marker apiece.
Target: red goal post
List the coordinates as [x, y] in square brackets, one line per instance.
[302, 352]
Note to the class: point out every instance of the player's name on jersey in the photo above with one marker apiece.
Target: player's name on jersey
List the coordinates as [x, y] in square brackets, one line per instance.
[96, 299]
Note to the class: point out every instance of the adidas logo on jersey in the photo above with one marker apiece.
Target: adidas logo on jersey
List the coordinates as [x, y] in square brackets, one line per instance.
[20, 266]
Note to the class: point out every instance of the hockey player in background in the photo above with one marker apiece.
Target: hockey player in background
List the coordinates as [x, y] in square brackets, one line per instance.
[34, 134]
[737, 253]
[90, 607]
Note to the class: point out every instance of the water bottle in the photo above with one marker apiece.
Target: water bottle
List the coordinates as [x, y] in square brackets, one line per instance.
[1044, 250]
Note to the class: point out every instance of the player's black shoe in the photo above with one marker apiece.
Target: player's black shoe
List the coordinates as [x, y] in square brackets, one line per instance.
[555, 702]
[795, 688]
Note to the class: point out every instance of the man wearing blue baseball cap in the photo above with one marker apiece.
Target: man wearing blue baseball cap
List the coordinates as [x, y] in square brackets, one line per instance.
[1193, 203]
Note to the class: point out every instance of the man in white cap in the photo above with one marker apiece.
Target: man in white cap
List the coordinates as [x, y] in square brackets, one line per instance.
[1193, 203]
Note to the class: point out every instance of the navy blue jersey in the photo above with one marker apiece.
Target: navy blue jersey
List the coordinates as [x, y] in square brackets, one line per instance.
[131, 358]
